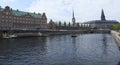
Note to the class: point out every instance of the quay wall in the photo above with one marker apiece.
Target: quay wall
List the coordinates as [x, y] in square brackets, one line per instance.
[116, 36]
[62, 32]
[28, 33]
[47, 33]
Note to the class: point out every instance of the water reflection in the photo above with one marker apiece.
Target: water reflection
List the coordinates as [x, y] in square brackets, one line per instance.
[23, 49]
[74, 53]
[74, 45]
[118, 63]
[85, 49]
[104, 43]
[74, 42]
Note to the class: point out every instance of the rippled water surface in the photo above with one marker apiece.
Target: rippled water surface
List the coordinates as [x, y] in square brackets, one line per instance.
[85, 49]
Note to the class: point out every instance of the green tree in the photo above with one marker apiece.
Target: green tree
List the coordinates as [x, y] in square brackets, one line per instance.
[59, 23]
[64, 23]
[69, 24]
[116, 26]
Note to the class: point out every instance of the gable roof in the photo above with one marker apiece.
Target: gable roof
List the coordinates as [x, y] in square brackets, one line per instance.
[22, 13]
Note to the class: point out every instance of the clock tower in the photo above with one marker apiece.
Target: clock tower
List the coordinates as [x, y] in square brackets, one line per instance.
[73, 19]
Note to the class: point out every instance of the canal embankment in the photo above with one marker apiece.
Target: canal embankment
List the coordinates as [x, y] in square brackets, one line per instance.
[40, 33]
[35, 33]
[116, 36]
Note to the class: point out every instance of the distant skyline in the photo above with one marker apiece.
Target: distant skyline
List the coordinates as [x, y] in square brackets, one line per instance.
[61, 10]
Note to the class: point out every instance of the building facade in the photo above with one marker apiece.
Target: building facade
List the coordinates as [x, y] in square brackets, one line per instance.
[103, 23]
[73, 25]
[19, 20]
[62, 26]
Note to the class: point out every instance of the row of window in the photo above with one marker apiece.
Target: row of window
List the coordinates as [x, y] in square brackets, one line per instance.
[7, 24]
[16, 26]
[31, 22]
[20, 18]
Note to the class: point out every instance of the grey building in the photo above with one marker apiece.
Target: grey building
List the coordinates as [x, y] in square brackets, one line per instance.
[101, 24]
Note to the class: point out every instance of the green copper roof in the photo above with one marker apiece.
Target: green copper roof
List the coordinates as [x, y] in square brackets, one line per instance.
[1, 9]
[21, 13]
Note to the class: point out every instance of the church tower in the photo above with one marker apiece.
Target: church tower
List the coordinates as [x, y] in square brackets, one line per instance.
[102, 15]
[73, 19]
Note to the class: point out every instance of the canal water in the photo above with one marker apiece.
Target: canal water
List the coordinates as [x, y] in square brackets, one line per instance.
[85, 49]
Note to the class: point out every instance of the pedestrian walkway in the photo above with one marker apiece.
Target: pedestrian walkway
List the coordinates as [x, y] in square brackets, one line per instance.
[116, 36]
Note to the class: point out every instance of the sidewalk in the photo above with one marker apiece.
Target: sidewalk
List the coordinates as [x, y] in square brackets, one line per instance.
[116, 36]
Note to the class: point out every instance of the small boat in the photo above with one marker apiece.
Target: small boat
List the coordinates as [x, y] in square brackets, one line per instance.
[73, 35]
[9, 36]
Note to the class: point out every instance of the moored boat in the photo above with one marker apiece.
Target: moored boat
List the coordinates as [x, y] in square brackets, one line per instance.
[8, 36]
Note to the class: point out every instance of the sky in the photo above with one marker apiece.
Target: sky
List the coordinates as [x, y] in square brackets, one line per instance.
[61, 10]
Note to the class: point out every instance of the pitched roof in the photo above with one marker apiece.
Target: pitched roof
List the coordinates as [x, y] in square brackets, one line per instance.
[101, 21]
[22, 13]
[1, 9]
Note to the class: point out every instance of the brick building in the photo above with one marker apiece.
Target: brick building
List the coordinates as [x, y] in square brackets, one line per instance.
[19, 20]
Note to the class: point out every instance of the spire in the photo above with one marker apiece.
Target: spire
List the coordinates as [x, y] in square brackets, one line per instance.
[73, 14]
[73, 19]
[102, 15]
[44, 16]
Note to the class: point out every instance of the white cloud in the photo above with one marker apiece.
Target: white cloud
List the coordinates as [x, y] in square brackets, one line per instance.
[85, 10]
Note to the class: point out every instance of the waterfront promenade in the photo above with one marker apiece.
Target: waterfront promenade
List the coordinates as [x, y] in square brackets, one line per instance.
[116, 36]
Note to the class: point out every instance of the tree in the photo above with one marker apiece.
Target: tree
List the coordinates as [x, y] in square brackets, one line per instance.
[59, 23]
[69, 24]
[116, 26]
[64, 23]
[78, 25]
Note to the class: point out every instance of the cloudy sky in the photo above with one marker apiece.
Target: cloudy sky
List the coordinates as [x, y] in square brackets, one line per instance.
[57, 10]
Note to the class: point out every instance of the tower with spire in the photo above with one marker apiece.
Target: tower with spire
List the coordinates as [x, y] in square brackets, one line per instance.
[102, 15]
[73, 19]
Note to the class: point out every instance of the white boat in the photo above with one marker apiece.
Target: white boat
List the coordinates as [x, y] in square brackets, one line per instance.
[9, 36]
[40, 34]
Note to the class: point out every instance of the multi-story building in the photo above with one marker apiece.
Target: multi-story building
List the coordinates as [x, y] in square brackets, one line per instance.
[103, 23]
[19, 20]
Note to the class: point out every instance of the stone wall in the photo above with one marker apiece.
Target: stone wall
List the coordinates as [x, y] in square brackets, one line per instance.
[116, 36]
